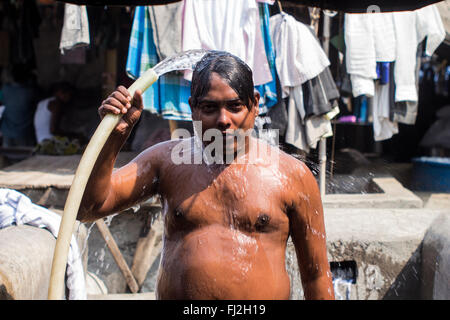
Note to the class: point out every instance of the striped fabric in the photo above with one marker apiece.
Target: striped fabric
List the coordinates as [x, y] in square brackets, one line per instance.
[167, 97]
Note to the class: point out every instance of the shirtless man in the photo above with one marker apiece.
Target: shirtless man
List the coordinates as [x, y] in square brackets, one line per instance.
[226, 225]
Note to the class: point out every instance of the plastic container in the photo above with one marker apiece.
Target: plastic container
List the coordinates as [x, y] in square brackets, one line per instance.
[431, 174]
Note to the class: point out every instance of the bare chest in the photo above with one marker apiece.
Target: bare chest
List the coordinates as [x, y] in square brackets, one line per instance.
[245, 199]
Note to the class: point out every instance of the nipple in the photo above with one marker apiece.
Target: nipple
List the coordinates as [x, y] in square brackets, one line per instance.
[178, 213]
[262, 221]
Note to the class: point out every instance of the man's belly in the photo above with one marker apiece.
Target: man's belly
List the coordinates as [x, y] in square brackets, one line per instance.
[217, 262]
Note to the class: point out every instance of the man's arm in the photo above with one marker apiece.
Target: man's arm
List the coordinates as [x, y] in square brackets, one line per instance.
[108, 190]
[307, 229]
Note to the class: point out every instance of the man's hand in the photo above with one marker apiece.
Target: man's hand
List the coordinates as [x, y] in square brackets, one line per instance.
[121, 102]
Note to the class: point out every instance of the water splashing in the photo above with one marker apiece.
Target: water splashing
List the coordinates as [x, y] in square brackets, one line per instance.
[183, 61]
[342, 288]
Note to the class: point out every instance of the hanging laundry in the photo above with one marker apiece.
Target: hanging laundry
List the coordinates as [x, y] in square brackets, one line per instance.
[299, 56]
[411, 29]
[383, 127]
[368, 38]
[305, 78]
[305, 133]
[318, 94]
[387, 37]
[167, 23]
[75, 31]
[232, 26]
[267, 91]
[406, 111]
[168, 97]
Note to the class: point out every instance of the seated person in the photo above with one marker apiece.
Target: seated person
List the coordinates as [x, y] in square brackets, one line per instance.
[51, 138]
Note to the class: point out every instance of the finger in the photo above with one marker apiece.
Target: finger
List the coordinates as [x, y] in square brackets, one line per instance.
[124, 91]
[121, 98]
[109, 109]
[113, 102]
[137, 100]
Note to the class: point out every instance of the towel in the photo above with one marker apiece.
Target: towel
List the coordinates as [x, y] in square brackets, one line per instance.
[388, 37]
[75, 31]
[411, 29]
[17, 209]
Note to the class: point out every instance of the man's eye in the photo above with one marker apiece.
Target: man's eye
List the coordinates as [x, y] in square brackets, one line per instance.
[208, 108]
[235, 106]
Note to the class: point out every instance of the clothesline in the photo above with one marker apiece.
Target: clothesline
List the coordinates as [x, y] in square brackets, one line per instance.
[160, 31]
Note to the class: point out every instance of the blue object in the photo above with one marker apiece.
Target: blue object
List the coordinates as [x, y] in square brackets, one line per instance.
[431, 174]
[383, 72]
[267, 91]
[360, 107]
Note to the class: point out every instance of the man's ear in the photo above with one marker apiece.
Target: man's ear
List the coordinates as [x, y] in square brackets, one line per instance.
[256, 103]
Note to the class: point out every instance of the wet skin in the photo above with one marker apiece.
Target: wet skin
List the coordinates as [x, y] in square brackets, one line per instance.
[226, 226]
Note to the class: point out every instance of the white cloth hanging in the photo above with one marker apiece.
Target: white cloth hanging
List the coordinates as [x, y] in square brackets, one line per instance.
[17, 209]
[75, 31]
[233, 26]
[299, 56]
[387, 37]
[411, 28]
[383, 127]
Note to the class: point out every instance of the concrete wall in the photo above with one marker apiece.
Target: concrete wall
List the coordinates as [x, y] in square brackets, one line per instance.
[436, 260]
[388, 248]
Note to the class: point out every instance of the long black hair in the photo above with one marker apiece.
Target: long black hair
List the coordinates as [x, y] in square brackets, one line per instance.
[235, 72]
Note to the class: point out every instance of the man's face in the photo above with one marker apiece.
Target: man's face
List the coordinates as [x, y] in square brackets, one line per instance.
[223, 110]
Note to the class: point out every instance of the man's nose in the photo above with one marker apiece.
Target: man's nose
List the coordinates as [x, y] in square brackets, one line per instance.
[224, 120]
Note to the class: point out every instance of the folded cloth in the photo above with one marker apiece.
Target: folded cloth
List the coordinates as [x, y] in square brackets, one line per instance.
[168, 97]
[75, 31]
[17, 209]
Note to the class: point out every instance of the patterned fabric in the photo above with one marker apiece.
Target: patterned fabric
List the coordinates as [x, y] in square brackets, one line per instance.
[167, 97]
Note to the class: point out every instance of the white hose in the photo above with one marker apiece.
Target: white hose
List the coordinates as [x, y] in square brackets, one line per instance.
[87, 162]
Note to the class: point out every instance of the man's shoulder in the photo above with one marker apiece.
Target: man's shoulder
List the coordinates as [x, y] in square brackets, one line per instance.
[163, 150]
[296, 169]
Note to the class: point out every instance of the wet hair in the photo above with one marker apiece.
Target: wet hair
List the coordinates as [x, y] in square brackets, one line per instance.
[235, 72]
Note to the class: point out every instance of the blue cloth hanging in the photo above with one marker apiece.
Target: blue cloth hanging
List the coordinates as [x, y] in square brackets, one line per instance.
[167, 97]
[267, 91]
